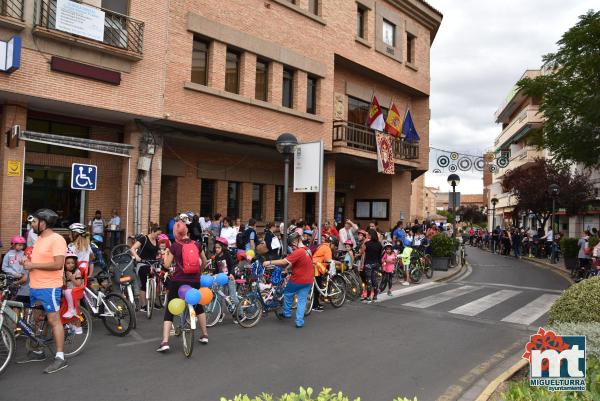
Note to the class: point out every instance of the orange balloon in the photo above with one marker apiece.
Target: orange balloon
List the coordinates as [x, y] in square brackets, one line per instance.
[207, 296]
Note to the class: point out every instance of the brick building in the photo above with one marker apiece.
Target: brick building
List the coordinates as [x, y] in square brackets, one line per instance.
[179, 105]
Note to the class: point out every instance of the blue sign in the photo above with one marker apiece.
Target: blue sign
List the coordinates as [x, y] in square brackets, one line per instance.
[83, 177]
[10, 54]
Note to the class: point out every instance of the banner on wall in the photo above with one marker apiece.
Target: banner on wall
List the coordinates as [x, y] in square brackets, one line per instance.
[445, 161]
[80, 19]
[385, 154]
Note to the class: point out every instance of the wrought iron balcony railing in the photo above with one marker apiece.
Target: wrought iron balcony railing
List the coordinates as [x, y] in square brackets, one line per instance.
[12, 9]
[360, 137]
[120, 31]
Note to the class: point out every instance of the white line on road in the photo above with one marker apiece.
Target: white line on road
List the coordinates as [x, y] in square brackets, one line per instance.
[130, 343]
[136, 335]
[408, 290]
[485, 303]
[532, 311]
[442, 297]
[517, 287]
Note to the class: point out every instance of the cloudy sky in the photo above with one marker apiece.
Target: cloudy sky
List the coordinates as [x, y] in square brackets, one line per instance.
[481, 50]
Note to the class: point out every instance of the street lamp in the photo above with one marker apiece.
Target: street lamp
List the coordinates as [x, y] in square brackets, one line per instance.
[454, 180]
[494, 202]
[286, 144]
[553, 190]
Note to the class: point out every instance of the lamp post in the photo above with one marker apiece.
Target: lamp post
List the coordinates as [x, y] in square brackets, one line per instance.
[553, 190]
[494, 201]
[286, 144]
[454, 180]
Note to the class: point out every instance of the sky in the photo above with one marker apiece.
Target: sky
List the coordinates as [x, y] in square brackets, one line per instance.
[480, 51]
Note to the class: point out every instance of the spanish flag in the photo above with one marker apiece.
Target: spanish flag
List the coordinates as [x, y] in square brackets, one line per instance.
[393, 124]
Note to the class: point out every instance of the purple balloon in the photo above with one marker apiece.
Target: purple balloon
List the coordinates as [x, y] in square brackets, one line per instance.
[182, 290]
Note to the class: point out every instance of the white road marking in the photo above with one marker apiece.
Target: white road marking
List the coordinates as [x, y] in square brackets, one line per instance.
[441, 297]
[130, 343]
[407, 290]
[516, 287]
[485, 303]
[136, 335]
[532, 311]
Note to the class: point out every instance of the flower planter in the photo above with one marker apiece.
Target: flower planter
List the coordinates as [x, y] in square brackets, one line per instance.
[440, 263]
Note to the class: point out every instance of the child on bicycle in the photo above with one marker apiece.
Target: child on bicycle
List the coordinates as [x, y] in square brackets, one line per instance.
[12, 264]
[224, 264]
[73, 280]
[349, 255]
[388, 264]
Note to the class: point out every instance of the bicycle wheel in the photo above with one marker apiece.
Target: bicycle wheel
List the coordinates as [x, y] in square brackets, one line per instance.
[352, 290]
[75, 343]
[213, 312]
[398, 273]
[336, 293]
[119, 250]
[150, 296]
[249, 311]
[121, 321]
[309, 301]
[7, 347]
[159, 293]
[187, 334]
[427, 266]
[415, 272]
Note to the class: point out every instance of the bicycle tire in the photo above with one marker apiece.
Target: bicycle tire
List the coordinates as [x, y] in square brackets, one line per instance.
[428, 270]
[71, 350]
[352, 290]
[248, 312]
[213, 312]
[7, 347]
[122, 314]
[309, 301]
[187, 334]
[415, 273]
[336, 300]
[150, 296]
[399, 274]
[159, 293]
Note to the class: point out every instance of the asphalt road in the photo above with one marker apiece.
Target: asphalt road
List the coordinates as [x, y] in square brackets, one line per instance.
[432, 341]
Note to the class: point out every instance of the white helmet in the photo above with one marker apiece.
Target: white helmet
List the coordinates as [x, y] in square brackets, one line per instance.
[184, 217]
[77, 228]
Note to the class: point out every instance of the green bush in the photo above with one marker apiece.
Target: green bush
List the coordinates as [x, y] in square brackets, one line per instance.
[593, 241]
[442, 246]
[303, 395]
[579, 303]
[569, 247]
[590, 330]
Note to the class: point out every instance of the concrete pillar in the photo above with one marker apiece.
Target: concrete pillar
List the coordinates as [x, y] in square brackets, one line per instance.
[400, 199]
[246, 201]
[11, 184]
[216, 64]
[275, 83]
[269, 197]
[221, 198]
[248, 75]
[299, 88]
[329, 189]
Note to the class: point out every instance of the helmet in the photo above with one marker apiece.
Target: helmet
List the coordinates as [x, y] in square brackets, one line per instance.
[70, 255]
[184, 217]
[77, 228]
[333, 239]
[17, 239]
[98, 238]
[47, 215]
[348, 242]
[293, 237]
[222, 241]
[190, 214]
[291, 229]
[386, 244]
[29, 218]
[308, 232]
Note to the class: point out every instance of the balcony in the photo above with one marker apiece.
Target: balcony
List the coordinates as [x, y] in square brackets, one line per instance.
[526, 155]
[529, 118]
[11, 14]
[358, 137]
[123, 35]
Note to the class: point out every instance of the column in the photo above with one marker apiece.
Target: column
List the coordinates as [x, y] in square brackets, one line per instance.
[248, 75]
[275, 83]
[216, 64]
[269, 198]
[400, 197]
[328, 189]
[221, 198]
[246, 201]
[299, 88]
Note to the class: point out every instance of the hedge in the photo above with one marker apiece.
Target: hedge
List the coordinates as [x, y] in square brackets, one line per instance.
[579, 303]
[303, 395]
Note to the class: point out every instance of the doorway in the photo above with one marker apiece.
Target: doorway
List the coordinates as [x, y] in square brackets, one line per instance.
[339, 208]
[310, 207]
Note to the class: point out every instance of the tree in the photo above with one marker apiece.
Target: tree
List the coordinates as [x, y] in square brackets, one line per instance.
[569, 96]
[471, 214]
[529, 184]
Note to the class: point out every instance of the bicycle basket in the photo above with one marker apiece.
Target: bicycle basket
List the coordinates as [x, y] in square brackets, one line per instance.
[276, 276]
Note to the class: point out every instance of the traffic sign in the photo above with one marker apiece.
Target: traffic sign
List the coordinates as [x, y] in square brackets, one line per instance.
[83, 177]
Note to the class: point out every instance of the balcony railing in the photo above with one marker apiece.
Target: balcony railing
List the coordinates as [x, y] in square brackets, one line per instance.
[120, 31]
[12, 9]
[360, 137]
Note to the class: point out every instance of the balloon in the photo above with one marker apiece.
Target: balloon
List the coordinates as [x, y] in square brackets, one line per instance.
[206, 280]
[206, 296]
[193, 296]
[250, 253]
[182, 290]
[222, 279]
[176, 306]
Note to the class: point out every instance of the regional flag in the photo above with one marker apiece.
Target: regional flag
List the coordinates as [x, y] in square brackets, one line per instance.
[392, 124]
[375, 120]
[409, 130]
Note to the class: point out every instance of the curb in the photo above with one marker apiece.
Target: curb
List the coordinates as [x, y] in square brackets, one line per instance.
[494, 384]
[552, 268]
[454, 274]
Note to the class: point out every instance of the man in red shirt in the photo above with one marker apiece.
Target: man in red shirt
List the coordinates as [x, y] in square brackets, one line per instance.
[301, 281]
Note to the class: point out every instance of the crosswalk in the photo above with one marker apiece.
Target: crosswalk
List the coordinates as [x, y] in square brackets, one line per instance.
[517, 305]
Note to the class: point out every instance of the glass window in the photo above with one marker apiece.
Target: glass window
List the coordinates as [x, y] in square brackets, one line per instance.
[288, 76]
[389, 33]
[358, 111]
[232, 72]
[311, 95]
[207, 197]
[200, 62]
[119, 6]
[56, 128]
[262, 81]
[278, 202]
[257, 201]
[313, 6]
[360, 21]
[410, 48]
[233, 199]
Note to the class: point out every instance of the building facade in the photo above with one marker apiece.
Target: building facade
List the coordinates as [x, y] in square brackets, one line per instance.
[179, 106]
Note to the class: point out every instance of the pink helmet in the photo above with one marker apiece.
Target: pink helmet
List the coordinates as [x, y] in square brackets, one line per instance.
[17, 239]
[222, 241]
[70, 255]
[348, 242]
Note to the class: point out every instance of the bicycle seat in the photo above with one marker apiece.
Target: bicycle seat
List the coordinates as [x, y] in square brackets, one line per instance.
[125, 279]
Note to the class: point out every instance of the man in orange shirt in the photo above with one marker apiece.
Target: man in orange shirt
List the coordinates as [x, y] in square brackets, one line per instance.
[46, 280]
[323, 255]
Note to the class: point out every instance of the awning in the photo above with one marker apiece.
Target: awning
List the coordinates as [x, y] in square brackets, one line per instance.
[92, 145]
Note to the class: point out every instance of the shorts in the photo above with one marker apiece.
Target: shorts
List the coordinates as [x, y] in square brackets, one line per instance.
[49, 298]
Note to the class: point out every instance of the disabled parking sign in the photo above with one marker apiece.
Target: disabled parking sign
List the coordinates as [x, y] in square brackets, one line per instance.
[83, 177]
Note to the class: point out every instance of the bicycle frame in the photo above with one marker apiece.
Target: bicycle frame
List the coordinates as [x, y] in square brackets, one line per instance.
[326, 284]
[94, 301]
[5, 310]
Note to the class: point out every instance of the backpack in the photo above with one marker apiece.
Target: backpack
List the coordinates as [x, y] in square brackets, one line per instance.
[191, 257]
[247, 236]
[239, 240]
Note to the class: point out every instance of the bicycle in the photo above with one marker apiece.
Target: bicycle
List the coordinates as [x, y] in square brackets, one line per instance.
[153, 287]
[38, 337]
[214, 310]
[334, 290]
[110, 308]
[352, 282]
[185, 327]
[123, 276]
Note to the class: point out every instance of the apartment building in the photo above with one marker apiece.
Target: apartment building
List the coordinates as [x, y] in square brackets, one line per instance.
[179, 104]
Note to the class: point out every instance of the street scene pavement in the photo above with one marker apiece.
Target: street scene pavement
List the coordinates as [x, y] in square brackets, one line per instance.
[433, 341]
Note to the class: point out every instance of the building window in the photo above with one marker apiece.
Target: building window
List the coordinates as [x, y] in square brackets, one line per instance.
[278, 202]
[389, 33]
[262, 81]
[311, 95]
[56, 128]
[233, 199]
[119, 6]
[200, 62]
[313, 6]
[410, 48]
[358, 111]
[371, 209]
[207, 197]
[288, 88]
[257, 201]
[232, 72]
[361, 14]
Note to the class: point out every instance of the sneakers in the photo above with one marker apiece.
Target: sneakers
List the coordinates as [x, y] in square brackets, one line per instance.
[203, 340]
[58, 364]
[318, 309]
[144, 308]
[33, 357]
[164, 347]
[77, 330]
[405, 283]
[389, 293]
[367, 300]
[69, 314]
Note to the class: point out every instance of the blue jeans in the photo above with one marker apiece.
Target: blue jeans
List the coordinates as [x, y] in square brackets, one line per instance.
[301, 290]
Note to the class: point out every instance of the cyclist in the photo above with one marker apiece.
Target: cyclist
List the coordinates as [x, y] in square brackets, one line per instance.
[228, 232]
[224, 264]
[12, 264]
[145, 248]
[301, 280]
[388, 264]
[46, 279]
[80, 246]
[372, 250]
[322, 257]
